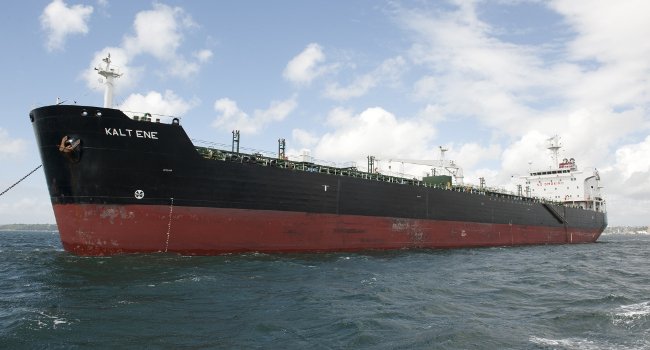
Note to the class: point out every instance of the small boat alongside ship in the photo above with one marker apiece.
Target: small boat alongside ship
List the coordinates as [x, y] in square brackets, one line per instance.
[134, 184]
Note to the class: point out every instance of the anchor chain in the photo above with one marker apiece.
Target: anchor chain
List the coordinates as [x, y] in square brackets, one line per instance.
[17, 182]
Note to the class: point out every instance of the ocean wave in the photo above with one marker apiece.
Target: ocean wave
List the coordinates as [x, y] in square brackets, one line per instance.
[543, 297]
[568, 343]
[632, 315]
[579, 343]
[44, 320]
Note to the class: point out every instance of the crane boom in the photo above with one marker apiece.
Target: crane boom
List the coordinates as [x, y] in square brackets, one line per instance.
[441, 163]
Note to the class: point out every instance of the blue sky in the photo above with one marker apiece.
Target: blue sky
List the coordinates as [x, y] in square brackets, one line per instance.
[489, 80]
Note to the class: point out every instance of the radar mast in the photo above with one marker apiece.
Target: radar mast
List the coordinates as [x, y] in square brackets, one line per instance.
[109, 74]
[554, 146]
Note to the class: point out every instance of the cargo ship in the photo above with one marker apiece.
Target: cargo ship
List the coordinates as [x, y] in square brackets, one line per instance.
[123, 183]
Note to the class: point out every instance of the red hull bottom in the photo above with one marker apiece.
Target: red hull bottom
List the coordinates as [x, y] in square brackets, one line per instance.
[91, 229]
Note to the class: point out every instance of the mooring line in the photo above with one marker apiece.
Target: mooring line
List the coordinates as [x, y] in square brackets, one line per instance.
[19, 181]
[169, 224]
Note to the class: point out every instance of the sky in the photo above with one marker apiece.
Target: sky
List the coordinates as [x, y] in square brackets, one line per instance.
[491, 81]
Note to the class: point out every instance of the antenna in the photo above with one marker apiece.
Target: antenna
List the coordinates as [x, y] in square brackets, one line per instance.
[110, 74]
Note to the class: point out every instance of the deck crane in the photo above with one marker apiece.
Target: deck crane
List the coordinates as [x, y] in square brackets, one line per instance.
[441, 164]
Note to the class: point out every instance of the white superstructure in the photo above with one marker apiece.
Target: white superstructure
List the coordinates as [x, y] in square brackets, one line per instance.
[563, 182]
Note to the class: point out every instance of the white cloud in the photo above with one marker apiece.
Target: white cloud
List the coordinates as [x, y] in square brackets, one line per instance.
[168, 104]
[11, 147]
[472, 154]
[629, 177]
[357, 88]
[159, 33]
[503, 85]
[59, 21]
[612, 37]
[593, 93]
[601, 26]
[306, 66]
[340, 117]
[432, 113]
[525, 154]
[304, 138]
[588, 134]
[277, 111]
[471, 73]
[203, 55]
[633, 159]
[426, 88]
[374, 131]
[231, 117]
[627, 184]
[183, 68]
[389, 71]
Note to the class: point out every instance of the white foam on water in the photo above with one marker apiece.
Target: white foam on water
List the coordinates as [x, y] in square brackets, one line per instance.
[51, 321]
[573, 343]
[568, 343]
[630, 314]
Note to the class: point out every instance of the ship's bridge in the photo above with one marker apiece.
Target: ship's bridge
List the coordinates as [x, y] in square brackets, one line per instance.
[565, 183]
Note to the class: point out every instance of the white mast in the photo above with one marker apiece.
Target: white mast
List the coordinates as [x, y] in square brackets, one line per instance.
[554, 146]
[110, 74]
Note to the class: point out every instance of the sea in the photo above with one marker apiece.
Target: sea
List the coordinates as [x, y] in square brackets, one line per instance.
[591, 296]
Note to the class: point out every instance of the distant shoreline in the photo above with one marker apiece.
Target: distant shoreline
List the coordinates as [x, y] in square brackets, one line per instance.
[29, 227]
